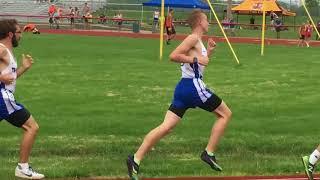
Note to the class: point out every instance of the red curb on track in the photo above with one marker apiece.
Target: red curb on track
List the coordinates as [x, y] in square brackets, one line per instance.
[283, 177]
[299, 177]
[249, 40]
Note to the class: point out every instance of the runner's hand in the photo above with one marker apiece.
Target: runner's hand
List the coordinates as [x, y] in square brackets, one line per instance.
[211, 44]
[7, 78]
[203, 60]
[27, 61]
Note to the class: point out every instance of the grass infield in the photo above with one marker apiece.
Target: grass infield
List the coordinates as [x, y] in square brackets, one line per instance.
[95, 98]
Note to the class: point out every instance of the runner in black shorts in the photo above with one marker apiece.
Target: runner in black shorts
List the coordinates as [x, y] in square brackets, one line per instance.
[190, 92]
[10, 110]
[171, 33]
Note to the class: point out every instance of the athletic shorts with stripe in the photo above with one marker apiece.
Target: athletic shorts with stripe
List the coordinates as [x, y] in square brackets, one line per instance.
[192, 93]
[12, 111]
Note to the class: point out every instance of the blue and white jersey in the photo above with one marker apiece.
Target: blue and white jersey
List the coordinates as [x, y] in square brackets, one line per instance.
[11, 68]
[8, 104]
[194, 70]
[191, 91]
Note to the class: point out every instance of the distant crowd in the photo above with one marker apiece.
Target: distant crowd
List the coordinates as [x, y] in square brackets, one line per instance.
[44, 1]
[79, 15]
[84, 15]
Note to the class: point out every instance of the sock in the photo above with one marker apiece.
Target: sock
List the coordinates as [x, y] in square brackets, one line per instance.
[314, 157]
[24, 165]
[209, 153]
[136, 160]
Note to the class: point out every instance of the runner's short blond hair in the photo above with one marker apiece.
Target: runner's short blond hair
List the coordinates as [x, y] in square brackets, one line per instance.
[194, 18]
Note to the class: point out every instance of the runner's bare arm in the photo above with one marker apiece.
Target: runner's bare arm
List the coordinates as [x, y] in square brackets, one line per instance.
[5, 78]
[3, 53]
[27, 62]
[180, 53]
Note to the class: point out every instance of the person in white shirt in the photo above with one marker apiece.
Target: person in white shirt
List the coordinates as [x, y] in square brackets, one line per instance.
[156, 15]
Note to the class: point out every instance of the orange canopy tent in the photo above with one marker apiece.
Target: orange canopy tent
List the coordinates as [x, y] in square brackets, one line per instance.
[254, 7]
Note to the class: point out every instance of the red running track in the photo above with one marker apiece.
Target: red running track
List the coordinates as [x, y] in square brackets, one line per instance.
[287, 42]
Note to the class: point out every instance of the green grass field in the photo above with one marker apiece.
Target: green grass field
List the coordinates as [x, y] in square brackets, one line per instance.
[95, 98]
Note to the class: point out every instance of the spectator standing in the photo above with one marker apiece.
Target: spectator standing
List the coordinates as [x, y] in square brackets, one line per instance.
[72, 15]
[225, 24]
[318, 28]
[119, 20]
[156, 15]
[232, 27]
[273, 16]
[308, 33]
[85, 9]
[302, 35]
[277, 26]
[56, 18]
[51, 11]
[88, 20]
[77, 14]
[69, 14]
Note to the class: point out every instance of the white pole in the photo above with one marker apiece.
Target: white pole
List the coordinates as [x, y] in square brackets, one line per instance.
[106, 8]
[141, 14]
[92, 8]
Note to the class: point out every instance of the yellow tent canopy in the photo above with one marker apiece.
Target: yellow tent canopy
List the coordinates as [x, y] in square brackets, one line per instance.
[255, 7]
